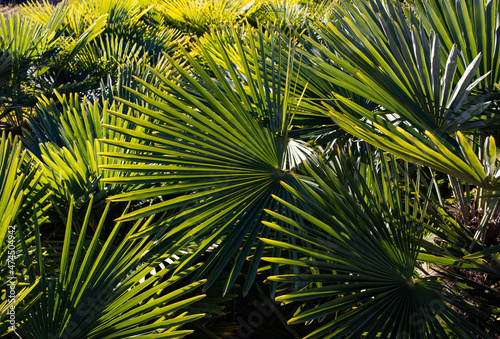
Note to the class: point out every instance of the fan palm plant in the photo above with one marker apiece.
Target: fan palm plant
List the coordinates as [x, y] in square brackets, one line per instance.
[97, 37]
[38, 58]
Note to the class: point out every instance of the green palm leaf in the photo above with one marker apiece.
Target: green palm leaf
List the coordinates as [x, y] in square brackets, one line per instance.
[359, 251]
[105, 289]
[64, 135]
[472, 25]
[217, 151]
[200, 16]
[381, 54]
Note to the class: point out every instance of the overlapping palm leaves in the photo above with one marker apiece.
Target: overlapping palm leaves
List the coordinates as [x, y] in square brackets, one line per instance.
[82, 60]
[216, 152]
[103, 288]
[290, 13]
[383, 57]
[38, 55]
[207, 146]
[200, 16]
[359, 256]
[22, 42]
[64, 136]
[472, 25]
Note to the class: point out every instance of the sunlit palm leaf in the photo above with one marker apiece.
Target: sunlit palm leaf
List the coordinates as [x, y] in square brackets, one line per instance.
[199, 16]
[292, 13]
[64, 136]
[380, 54]
[103, 289]
[22, 43]
[432, 149]
[22, 201]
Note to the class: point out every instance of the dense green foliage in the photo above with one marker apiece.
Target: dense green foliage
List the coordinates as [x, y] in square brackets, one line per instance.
[251, 169]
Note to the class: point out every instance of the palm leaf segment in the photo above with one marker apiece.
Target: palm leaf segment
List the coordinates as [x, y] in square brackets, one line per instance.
[217, 152]
[22, 200]
[360, 239]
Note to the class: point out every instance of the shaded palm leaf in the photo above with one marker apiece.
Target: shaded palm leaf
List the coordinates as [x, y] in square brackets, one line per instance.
[381, 55]
[359, 257]
[472, 25]
[290, 13]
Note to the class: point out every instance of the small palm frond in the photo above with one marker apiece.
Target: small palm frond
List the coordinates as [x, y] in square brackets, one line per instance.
[24, 37]
[382, 55]
[200, 16]
[471, 25]
[22, 43]
[66, 141]
[40, 11]
[106, 54]
[293, 14]
[52, 17]
[118, 12]
[126, 79]
[379, 54]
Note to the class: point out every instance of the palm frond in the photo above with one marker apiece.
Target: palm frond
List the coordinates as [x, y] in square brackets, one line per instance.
[216, 152]
[105, 289]
[471, 25]
[64, 136]
[360, 239]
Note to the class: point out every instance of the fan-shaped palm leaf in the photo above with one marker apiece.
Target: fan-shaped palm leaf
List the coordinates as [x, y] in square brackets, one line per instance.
[66, 141]
[103, 289]
[292, 13]
[361, 235]
[200, 16]
[380, 54]
[472, 25]
[221, 144]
